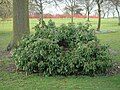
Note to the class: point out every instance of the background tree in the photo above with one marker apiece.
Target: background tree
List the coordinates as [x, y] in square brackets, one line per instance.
[116, 3]
[113, 11]
[5, 9]
[38, 6]
[77, 10]
[88, 6]
[70, 5]
[99, 3]
[106, 8]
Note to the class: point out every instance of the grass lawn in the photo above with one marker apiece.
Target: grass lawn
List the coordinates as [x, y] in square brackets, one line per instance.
[15, 81]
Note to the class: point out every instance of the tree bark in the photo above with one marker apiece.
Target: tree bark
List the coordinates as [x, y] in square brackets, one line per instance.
[41, 8]
[72, 16]
[40, 5]
[99, 16]
[88, 14]
[113, 14]
[104, 14]
[72, 11]
[20, 21]
[118, 15]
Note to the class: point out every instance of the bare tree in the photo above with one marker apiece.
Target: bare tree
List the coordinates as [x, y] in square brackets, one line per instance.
[99, 3]
[39, 6]
[113, 12]
[71, 5]
[116, 3]
[106, 7]
[88, 6]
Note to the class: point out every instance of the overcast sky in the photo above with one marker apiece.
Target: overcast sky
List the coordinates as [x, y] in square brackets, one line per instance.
[60, 9]
[54, 9]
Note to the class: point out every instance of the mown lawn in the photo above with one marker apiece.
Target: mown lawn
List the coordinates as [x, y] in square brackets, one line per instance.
[20, 82]
[15, 81]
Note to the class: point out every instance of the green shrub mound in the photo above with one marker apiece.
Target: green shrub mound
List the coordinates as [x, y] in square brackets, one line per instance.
[65, 50]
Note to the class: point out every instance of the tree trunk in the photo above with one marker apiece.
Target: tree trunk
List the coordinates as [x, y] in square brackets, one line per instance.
[118, 15]
[73, 3]
[108, 12]
[72, 11]
[40, 6]
[41, 13]
[88, 14]
[99, 16]
[72, 14]
[113, 14]
[20, 21]
[104, 14]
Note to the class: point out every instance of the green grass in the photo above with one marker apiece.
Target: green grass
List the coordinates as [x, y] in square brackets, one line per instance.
[34, 82]
[15, 81]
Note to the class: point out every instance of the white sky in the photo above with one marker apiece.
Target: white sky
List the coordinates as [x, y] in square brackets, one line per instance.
[54, 10]
[59, 10]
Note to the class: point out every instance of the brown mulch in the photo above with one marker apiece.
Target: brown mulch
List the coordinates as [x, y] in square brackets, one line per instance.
[11, 68]
[4, 53]
[115, 69]
[6, 67]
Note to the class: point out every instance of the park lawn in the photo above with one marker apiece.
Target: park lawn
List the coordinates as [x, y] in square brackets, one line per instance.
[15, 81]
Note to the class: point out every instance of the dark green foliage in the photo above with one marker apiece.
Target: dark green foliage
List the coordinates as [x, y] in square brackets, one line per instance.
[51, 24]
[65, 50]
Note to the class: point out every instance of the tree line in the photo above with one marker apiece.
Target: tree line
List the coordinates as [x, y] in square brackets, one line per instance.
[20, 9]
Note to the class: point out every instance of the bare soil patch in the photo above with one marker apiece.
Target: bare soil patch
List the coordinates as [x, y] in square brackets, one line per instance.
[115, 69]
[10, 66]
